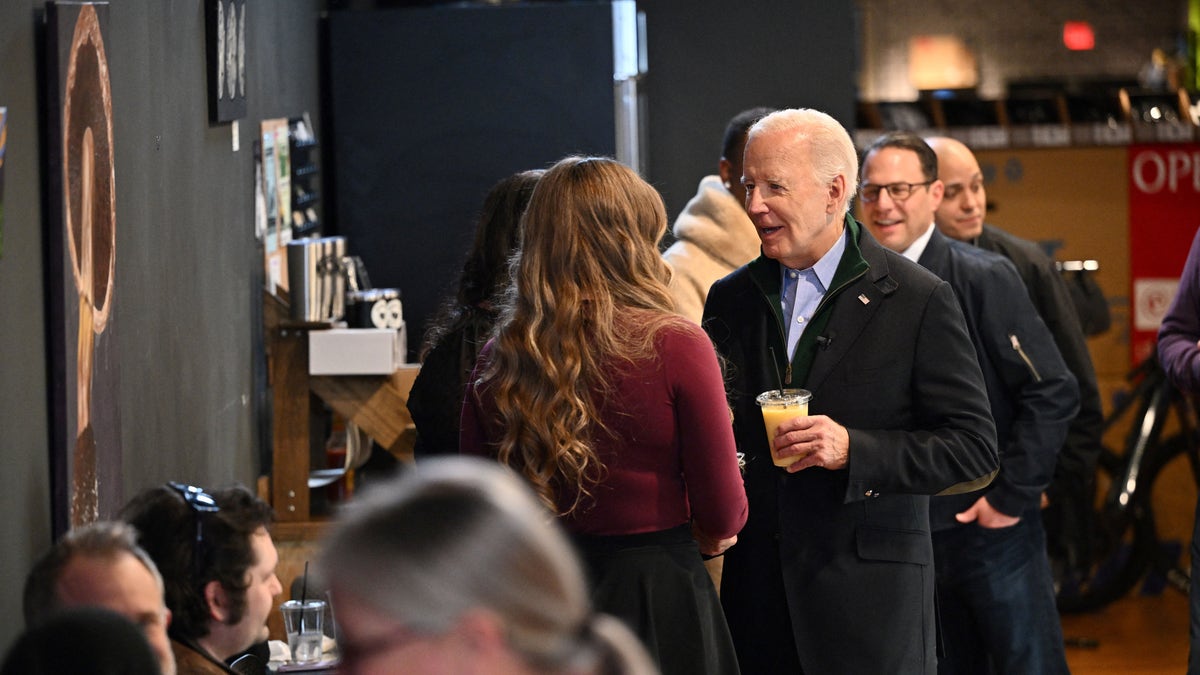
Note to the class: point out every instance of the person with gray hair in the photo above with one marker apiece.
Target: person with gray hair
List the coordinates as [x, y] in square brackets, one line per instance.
[101, 565]
[456, 562]
[833, 572]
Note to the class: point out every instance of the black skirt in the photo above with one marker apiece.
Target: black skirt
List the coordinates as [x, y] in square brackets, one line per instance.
[656, 583]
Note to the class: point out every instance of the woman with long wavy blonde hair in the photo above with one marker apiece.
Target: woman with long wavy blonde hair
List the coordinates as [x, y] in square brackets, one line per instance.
[613, 408]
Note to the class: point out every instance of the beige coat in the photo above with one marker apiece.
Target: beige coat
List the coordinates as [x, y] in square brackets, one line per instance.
[714, 237]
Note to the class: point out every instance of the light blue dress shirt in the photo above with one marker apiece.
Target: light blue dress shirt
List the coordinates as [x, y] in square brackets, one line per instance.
[803, 289]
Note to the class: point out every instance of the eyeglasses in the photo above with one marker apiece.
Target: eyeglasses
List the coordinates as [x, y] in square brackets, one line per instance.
[897, 191]
[200, 503]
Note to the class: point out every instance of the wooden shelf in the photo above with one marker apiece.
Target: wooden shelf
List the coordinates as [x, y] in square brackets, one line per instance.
[377, 404]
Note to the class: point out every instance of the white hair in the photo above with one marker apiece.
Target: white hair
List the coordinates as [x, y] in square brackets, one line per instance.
[452, 534]
[830, 148]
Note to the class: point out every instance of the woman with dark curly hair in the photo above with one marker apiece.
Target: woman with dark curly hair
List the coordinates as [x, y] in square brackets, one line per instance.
[463, 323]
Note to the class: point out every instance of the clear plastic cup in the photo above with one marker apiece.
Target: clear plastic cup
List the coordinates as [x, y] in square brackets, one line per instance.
[779, 405]
[303, 623]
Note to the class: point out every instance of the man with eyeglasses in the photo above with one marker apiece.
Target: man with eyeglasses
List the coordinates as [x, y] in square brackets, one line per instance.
[218, 563]
[101, 565]
[960, 216]
[996, 606]
[833, 570]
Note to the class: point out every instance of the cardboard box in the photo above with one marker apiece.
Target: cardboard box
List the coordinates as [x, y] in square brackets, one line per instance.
[355, 351]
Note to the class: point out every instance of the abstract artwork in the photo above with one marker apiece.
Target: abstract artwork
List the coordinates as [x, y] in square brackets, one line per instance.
[86, 452]
[226, 41]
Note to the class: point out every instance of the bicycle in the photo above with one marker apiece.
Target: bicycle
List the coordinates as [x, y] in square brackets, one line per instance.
[1126, 541]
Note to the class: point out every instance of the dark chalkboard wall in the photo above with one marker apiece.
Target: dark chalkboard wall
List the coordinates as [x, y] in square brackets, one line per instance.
[711, 59]
[189, 274]
[430, 106]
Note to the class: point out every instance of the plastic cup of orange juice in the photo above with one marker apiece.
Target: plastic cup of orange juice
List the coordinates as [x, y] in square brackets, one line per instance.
[779, 405]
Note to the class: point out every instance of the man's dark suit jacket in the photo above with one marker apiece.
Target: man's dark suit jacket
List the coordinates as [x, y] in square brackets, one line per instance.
[834, 570]
[1071, 490]
[1033, 396]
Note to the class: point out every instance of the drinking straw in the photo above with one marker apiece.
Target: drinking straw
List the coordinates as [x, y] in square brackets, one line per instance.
[775, 367]
[304, 584]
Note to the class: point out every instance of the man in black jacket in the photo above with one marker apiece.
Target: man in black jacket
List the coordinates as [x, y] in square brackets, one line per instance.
[960, 216]
[995, 590]
[833, 571]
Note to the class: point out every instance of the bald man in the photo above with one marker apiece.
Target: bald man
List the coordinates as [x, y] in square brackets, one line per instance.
[961, 216]
[101, 565]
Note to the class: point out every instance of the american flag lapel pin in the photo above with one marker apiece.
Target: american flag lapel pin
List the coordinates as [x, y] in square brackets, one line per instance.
[862, 297]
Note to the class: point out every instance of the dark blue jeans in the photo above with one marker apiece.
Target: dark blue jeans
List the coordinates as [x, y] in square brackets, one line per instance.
[995, 599]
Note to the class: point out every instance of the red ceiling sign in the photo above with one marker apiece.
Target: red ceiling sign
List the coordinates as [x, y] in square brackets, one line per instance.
[1078, 36]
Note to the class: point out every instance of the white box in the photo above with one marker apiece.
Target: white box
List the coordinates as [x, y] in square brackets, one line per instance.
[355, 351]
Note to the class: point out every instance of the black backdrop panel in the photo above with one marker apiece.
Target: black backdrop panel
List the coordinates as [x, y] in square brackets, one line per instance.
[430, 107]
[710, 59]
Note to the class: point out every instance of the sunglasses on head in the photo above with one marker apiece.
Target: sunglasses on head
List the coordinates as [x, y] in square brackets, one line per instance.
[200, 503]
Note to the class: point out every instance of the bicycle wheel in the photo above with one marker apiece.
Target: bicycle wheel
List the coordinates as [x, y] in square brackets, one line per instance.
[1125, 537]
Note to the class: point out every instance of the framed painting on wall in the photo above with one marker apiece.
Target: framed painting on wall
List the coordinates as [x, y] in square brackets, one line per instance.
[225, 28]
[81, 236]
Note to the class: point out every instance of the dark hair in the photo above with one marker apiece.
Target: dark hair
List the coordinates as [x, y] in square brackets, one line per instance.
[736, 129]
[103, 540]
[167, 526]
[907, 140]
[82, 640]
[485, 272]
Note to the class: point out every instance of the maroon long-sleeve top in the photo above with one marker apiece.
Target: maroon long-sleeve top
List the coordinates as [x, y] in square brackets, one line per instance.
[671, 457]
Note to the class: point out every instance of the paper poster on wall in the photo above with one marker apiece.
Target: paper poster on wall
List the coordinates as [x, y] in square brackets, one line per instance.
[276, 197]
[260, 200]
[1164, 213]
[283, 181]
[3, 145]
[1151, 299]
